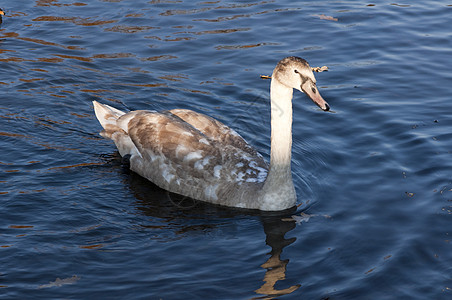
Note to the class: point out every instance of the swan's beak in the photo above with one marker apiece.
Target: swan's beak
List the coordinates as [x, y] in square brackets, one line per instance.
[311, 90]
[2, 12]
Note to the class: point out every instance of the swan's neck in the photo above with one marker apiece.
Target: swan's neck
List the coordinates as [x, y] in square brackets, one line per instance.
[278, 190]
[281, 126]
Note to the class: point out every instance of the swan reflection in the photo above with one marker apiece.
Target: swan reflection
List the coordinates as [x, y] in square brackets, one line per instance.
[275, 230]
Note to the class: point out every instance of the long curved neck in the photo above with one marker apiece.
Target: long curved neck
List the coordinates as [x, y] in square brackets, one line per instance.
[281, 127]
[278, 191]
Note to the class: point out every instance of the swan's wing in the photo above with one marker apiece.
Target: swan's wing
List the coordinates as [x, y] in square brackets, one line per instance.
[246, 157]
[180, 158]
[161, 135]
[214, 129]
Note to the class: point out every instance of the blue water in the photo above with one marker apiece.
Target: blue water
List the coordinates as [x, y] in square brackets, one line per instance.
[373, 176]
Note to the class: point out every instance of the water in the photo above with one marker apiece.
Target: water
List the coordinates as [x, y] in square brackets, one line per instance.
[373, 177]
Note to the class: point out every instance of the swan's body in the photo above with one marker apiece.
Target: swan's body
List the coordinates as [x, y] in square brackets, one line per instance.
[191, 154]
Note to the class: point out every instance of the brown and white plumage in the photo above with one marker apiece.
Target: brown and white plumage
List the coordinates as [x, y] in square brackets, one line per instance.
[192, 154]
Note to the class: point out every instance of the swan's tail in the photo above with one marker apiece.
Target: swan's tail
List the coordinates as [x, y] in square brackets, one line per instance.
[108, 117]
[106, 114]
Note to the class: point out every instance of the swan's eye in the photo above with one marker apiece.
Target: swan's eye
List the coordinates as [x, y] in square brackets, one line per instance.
[313, 90]
[296, 71]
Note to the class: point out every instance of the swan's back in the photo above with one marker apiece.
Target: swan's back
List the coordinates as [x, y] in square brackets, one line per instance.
[214, 129]
[186, 152]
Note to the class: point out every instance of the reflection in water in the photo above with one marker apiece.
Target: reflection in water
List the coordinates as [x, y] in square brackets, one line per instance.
[275, 230]
[167, 207]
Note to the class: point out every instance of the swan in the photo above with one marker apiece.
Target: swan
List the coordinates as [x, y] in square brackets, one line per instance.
[192, 154]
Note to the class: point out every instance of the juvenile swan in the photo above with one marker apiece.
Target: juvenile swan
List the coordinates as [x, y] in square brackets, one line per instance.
[194, 155]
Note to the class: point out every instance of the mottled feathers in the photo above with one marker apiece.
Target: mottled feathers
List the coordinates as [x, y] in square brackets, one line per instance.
[183, 151]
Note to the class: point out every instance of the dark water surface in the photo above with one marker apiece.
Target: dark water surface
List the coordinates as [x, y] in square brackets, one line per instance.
[373, 177]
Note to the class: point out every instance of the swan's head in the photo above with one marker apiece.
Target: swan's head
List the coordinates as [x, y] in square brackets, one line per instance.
[296, 73]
